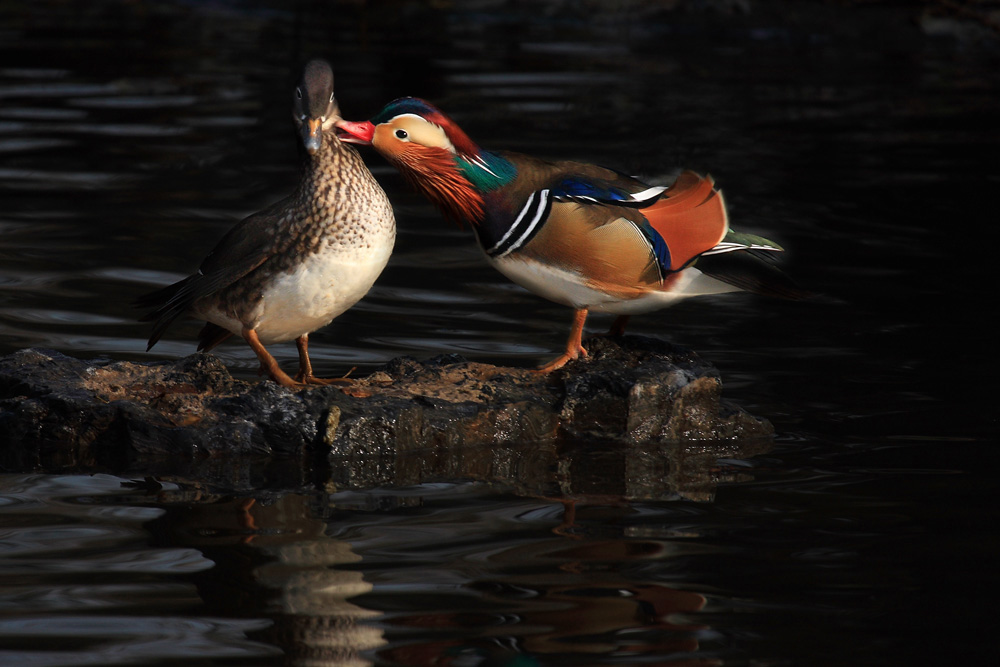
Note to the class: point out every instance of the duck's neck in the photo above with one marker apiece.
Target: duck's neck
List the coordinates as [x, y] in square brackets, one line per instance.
[336, 181]
[457, 184]
[486, 171]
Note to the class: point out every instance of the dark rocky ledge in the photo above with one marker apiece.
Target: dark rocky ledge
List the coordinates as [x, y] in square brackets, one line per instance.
[409, 422]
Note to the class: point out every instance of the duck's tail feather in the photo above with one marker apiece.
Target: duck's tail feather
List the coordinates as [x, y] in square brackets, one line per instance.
[749, 272]
[167, 303]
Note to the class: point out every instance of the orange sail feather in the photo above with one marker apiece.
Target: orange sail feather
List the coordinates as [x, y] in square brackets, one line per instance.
[691, 218]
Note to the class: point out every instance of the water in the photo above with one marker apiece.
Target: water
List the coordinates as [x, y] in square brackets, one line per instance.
[133, 135]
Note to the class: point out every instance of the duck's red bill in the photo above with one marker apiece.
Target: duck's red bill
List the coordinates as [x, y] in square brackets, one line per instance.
[355, 132]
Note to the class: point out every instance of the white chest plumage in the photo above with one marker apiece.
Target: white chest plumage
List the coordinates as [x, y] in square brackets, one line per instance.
[316, 290]
[310, 293]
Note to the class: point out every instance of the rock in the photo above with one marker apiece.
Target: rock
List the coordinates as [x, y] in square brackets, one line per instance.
[411, 421]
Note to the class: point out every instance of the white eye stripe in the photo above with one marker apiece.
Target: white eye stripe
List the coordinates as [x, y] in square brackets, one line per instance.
[421, 131]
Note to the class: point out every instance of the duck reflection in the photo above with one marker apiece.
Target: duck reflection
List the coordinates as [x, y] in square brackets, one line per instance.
[583, 606]
[558, 584]
[554, 601]
[274, 559]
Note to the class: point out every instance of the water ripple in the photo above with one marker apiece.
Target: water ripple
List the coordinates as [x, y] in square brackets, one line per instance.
[118, 640]
[57, 180]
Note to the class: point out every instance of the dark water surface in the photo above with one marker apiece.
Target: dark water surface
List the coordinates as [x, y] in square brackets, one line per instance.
[132, 135]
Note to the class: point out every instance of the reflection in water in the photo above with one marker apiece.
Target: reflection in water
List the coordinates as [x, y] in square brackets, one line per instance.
[97, 570]
[581, 606]
[567, 470]
[273, 559]
[348, 579]
[81, 584]
[554, 590]
[517, 578]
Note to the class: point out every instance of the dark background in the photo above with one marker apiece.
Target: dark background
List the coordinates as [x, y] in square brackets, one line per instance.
[863, 136]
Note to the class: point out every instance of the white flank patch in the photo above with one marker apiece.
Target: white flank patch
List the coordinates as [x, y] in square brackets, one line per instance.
[309, 296]
[571, 289]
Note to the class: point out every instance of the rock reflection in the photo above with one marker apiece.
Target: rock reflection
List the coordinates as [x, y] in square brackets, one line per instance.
[273, 559]
[647, 471]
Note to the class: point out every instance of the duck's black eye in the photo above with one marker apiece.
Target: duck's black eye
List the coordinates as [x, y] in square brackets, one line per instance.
[331, 97]
[401, 134]
[298, 93]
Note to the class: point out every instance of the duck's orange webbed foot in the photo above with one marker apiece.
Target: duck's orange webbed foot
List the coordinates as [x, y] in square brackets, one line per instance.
[574, 347]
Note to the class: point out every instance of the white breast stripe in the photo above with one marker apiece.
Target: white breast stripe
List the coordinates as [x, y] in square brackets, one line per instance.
[517, 221]
[543, 200]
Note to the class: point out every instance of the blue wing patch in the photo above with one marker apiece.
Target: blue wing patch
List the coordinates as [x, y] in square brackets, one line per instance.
[660, 248]
[574, 188]
[580, 190]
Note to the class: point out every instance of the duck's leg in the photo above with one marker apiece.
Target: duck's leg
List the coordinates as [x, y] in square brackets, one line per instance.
[574, 346]
[305, 374]
[305, 365]
[268, 364]
[618, 326]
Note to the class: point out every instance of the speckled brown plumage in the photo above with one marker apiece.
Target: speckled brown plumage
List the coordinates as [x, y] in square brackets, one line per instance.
[289, 269]
[337, 205]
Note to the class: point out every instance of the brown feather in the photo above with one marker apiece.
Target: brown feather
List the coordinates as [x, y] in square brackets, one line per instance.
[613, 254]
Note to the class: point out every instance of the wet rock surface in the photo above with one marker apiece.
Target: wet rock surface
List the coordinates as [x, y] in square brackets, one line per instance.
[406, 423]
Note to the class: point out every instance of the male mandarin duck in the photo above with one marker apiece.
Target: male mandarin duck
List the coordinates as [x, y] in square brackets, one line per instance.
[288, 270]
[578, 234]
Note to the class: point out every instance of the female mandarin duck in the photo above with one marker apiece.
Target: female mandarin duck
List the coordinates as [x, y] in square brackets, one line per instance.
[578, 234]
[288, 270]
